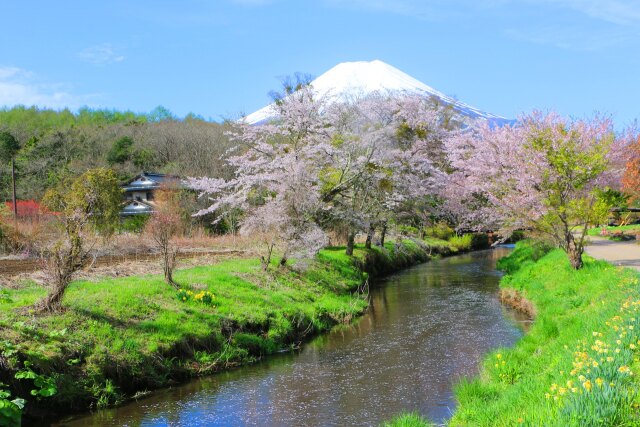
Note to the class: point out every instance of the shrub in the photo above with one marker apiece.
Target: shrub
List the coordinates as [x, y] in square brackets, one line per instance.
[479, 241]
[23, 239]
[407, 230]
[10, 410]
[462, 243]
[526, 252]
[134, 224]
[440, 230]
[516, 236]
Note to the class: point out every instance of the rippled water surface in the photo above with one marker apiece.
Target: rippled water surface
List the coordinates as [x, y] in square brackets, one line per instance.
[427, 327]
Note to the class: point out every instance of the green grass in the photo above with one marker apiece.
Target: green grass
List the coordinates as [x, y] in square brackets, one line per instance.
[615, 229]
[578, 364]
[408, 420]
[455, 244]
[461, 243]
[121, 336]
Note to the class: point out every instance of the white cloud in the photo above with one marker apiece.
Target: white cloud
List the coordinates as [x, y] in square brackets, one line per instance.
[101, 54]
[20, 87]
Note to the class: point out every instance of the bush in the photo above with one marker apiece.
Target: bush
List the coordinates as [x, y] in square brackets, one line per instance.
[133, 224]
[407, 230]
[440, 230]
[516, 236]
[21, 240]
[462, 243]
[479, 241]
[526, 252]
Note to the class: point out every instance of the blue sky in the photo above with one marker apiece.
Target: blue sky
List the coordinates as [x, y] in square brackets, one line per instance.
[221, 58]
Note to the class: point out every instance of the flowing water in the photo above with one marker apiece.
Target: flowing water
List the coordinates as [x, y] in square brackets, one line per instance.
[427, 327]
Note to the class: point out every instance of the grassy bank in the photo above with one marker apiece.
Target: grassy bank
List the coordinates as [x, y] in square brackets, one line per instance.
[612, 230]
[579, 363]
[411, 419]
[576, 365]
[122, 337]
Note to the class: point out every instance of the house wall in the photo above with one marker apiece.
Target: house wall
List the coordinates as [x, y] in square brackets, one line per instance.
[141, 195]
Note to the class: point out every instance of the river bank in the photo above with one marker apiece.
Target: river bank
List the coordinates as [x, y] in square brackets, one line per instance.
[120, 338]
[426, 326]
[578, 364]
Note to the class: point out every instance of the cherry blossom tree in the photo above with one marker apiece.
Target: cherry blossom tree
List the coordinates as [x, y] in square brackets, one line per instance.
[322, 166]
[276, 180]
[165, 223]
[546, 175]
[390, 155]
[631, 177]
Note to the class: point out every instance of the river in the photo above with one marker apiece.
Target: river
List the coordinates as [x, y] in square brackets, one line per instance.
[428, 326]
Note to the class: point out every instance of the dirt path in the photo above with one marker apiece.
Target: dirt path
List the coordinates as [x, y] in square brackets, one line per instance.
[123, 264]
[626, 254]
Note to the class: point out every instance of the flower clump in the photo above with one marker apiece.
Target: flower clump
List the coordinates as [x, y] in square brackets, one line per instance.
[601, 368]
[507, 373]
[204, 297]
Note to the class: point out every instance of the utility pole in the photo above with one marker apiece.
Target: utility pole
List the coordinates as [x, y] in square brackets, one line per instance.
[15, 202]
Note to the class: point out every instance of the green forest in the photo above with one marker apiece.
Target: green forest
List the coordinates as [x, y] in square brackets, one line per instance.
[55, 145]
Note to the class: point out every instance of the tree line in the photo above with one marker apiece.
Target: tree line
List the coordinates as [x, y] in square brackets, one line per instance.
[361, 165]
[48, 146]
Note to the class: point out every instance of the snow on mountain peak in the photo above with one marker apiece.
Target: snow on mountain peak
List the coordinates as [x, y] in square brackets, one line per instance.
[352, 79]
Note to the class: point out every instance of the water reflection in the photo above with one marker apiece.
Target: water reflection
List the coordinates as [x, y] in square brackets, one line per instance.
[427, 327]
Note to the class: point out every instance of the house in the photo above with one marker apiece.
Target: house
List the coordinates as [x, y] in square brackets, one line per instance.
[139, 192]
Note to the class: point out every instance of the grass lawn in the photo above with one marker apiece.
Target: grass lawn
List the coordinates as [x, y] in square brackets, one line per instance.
[119, 337]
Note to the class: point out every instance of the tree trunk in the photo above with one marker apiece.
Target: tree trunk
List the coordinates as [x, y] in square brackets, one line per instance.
[383, 234]
[169, 264]
[351, 239]
[13, 183]
[372, 230]
[53, 301]
[265, 261]
[59, 267]
[574, 251]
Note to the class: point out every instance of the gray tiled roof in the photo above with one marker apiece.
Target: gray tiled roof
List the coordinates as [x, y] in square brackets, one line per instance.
[151, 181]
[136, 207]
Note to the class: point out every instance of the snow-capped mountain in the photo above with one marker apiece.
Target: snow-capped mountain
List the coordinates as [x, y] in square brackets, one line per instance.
[349, 80]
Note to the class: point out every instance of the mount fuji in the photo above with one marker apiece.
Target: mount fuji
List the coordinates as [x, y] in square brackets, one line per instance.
[350, 80]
